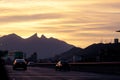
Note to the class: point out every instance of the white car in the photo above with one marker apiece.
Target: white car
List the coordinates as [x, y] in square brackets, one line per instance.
[30, 63]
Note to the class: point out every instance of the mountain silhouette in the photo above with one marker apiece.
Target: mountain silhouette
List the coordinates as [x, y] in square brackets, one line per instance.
[44, 47]
[106, 52]
[94, 52]
[68, 55]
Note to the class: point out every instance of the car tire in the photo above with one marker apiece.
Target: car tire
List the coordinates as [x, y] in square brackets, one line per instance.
[25, 68]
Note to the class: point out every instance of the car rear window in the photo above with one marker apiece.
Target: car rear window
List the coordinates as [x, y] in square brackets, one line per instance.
[20, 60]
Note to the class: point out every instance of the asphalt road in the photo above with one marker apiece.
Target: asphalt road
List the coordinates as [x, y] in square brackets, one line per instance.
[37, 73]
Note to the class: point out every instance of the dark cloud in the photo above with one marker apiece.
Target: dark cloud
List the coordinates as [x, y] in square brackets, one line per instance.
[95, 35]
[110, 5]
[7, 9]
[23, 18]
[55, 29]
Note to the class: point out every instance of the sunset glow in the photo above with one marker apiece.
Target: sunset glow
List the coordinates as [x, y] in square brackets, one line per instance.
[77, 22]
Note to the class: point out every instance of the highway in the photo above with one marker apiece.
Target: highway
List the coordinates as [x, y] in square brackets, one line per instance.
[38, 73]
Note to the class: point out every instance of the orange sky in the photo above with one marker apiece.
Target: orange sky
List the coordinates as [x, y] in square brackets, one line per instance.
[78, 22]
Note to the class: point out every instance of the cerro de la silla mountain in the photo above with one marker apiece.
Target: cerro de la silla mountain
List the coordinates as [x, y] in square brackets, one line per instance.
[44, 47]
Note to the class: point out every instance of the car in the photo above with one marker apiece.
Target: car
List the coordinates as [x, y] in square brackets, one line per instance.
[62, 66]
[30, 63]
[19, 64]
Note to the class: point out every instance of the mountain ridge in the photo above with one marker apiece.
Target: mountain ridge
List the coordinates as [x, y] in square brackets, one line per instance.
[43, 46]
[93, 53]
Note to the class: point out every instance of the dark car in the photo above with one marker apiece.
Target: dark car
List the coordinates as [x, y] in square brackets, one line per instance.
[19, 64]
[62, 66]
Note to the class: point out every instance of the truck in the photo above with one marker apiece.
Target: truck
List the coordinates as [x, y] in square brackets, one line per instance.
[19, 55]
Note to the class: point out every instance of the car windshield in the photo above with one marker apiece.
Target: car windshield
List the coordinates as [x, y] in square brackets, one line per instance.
[60, 39]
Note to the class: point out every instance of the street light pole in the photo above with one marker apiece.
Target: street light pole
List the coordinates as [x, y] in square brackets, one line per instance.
[118, 39]
[118, 31]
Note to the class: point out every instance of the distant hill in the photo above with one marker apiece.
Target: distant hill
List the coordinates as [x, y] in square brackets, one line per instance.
[105, 52]
[44, 47]
[68, 55]
[94, 52]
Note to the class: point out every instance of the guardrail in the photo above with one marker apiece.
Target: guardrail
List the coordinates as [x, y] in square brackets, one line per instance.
[101, 67]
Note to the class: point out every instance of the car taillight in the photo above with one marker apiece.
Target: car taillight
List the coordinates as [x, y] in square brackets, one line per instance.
[14, 62]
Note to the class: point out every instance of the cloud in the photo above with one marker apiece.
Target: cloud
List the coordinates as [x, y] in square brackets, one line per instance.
[74, 21]
[113, 4]
[22, 18]
[54, 30]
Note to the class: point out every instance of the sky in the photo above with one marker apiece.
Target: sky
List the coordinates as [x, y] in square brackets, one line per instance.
[77, 22]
